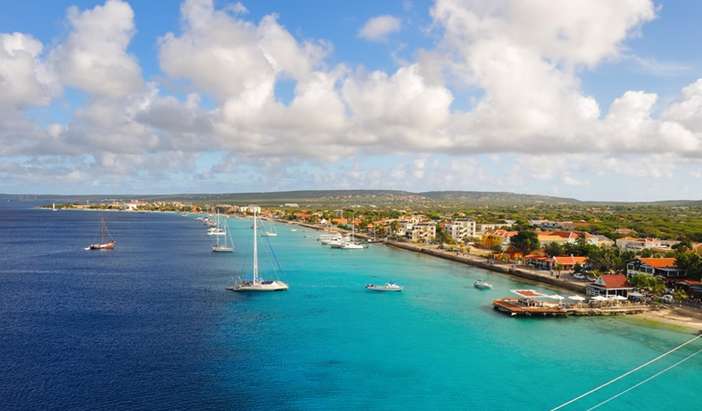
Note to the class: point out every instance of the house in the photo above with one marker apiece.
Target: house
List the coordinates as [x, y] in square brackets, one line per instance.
[598, 240]
[461, 230]
[665, 267]
[503, 235]
[423, 233]
[559, 237]
[567, 263]
[482, 229]
[608, 285]
[638, 244]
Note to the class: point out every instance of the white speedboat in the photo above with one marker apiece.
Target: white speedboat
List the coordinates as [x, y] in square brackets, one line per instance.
[270, 234]
[256, 284]
[390, 287]
[351, 246]
[482, 285]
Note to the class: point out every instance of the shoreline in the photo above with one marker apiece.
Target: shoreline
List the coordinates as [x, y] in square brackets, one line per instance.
[683, 319]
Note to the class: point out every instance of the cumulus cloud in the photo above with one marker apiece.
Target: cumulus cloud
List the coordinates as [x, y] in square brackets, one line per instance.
[524, 79]
[379, 28]
[94, 58]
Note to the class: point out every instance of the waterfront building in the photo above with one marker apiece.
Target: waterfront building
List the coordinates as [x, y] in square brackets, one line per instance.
[423, 233]
[461, 230]
[665, 267]
[609, 285]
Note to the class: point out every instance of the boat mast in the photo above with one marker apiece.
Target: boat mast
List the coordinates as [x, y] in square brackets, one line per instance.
[255, 251]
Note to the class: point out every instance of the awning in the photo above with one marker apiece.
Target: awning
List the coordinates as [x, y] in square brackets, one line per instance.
[555, 297]
[527, 293]
[576, 298]
[598, 298]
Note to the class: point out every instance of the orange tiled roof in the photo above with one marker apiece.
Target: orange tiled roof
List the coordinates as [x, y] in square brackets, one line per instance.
[569, 260]
[613, 281]
[659, 262]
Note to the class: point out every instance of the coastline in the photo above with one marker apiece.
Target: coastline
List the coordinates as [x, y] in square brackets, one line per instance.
[683, 319]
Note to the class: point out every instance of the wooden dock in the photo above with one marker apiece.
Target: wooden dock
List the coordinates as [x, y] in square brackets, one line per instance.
[512, 307]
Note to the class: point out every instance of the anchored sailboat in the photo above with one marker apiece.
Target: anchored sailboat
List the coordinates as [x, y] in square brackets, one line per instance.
[216, 229]
[225, 246]
[106, 242]
[257, 283]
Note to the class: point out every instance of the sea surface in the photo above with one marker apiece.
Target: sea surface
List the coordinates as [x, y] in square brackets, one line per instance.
[151, 326]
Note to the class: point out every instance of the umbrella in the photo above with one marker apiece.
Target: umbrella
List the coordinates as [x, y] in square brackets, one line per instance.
[598, 298]
[620, 298]
[576, 298]
[555, 297]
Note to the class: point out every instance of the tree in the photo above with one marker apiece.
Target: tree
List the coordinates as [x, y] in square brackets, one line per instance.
[690, 262]
[525, 241]
[554, 249]
[654, 285]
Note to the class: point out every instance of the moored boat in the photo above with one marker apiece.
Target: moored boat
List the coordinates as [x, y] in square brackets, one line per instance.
[256, 284]
[387, 287]
[106, 242]
[482, 285]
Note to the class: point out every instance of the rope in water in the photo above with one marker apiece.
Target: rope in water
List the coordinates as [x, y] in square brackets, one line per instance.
[645, 381]
[612, 381]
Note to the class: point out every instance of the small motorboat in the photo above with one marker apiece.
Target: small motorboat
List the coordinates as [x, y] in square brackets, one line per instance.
[384, 287]
[482, 285]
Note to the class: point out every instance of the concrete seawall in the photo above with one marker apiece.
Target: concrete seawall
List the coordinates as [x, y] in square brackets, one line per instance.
[482, 263]
[470, 260]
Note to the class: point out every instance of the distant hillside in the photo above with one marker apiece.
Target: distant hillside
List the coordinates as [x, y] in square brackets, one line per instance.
[395, 198]
[495, 197]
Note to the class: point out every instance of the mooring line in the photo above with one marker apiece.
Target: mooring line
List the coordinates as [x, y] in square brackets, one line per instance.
[612, 381]
[646, 380]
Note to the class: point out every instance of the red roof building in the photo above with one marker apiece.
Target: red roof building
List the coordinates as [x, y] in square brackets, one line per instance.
[610, 284]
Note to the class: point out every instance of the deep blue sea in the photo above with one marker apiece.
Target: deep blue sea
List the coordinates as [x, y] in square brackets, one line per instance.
[151, 326]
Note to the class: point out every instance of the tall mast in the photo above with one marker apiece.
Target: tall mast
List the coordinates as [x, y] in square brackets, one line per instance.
[255, 251]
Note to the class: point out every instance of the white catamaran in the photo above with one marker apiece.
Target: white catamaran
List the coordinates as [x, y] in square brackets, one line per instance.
[257, 284]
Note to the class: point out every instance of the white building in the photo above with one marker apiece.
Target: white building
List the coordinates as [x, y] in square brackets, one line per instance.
[461, 230]
[423, 233]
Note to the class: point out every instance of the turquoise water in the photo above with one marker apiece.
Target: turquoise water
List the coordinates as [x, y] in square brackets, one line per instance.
[150, 326]
[329, 344]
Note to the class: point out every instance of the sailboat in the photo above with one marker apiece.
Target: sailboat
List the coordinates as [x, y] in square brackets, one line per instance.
[270, 232]
[257, 284]
[350, 243]
[53, 207]
[106, 241]
[217, 228]
[226, 246]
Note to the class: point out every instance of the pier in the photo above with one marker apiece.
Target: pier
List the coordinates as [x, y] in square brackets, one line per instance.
[515, 307]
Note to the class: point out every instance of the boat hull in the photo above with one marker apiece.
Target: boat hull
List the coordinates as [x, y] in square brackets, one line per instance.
[382, 289]
[103, 246]
[266, 286]
[222, 249]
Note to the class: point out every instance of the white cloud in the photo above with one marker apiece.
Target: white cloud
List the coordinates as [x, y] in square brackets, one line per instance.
[524, 80]
[94, 58]
[379, 28]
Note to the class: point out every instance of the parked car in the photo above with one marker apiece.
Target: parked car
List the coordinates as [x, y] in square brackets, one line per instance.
[580, 276]
[667, 299]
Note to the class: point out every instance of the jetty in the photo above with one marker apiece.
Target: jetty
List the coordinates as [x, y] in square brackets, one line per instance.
[530, 303]
[511, 307]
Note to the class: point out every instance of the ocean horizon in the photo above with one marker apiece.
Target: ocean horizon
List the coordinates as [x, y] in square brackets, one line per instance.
[151, 326]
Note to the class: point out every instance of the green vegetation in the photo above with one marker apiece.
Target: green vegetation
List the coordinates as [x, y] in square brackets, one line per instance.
[525, 241]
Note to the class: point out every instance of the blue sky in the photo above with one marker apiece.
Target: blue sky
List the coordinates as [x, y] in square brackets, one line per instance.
[596, 101]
